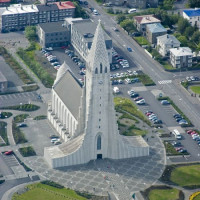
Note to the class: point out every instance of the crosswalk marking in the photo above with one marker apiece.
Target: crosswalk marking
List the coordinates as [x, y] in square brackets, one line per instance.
[165, 81]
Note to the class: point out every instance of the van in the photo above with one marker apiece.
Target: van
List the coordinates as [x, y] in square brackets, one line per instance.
[177, 134]
[116, 90]
[132, 10]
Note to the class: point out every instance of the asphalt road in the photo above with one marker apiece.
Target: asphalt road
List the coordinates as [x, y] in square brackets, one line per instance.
[141, 60]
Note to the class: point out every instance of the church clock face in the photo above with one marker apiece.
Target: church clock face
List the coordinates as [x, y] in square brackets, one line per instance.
[100, 82]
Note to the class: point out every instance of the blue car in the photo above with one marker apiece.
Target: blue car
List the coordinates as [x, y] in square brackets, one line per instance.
[129, 49]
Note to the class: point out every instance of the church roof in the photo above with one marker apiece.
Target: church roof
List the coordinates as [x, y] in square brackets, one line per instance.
[69, 89]
[61, 71]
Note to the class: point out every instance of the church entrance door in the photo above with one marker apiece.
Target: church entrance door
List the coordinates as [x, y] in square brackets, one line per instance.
[99, 156]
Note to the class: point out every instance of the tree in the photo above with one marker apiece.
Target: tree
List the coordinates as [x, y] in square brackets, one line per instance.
[182, 25]
[127, 24]
[168, 4]
[188, 32]
[183, 40]
[196, 37]
[120, 18]
[30, 33]
[194, 3]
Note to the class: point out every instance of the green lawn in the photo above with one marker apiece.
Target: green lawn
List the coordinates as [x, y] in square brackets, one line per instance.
[141, 40]
[171, 151]
[186, 175]
[164, 194]
[195, 89]
[41, 191]
[124, 104]
[197, 197]
[24, 107]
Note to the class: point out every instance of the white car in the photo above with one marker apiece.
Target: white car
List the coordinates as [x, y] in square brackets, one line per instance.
[95, 12]
[55, 140]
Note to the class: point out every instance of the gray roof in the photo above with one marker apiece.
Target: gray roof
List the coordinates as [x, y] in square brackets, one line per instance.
[69, 90]
[88, 26]
[156, 28]
[2, 78]
[47, 7]
[52, 27]
[168, 39]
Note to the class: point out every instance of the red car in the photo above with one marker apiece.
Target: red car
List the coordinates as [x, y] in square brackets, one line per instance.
[178, 148]
[189, 131]
[147, 114]
[193, 133]
[8, 153]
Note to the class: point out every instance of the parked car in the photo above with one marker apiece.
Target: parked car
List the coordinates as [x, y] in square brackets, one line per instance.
[176, 144]
[165, 102]
[141, 102]
[22, 125]
[134, 95]
[8, 153]
[54, 136]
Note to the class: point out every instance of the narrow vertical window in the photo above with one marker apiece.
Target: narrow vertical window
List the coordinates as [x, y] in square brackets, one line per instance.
[96, 71]
[101, 68]
[105, 69]
[99, 143]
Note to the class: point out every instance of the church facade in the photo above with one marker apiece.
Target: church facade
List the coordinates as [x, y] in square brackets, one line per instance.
[84, 116]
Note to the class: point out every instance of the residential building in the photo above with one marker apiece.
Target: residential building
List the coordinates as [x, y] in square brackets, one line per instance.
[4, 3]
[193, 16]
[65, 9]
[47, 13]
[46, 1]
[3, 83]
[82, 34]
[52, 34]
[84, 115]
[153, 31]
[142, 21]
[181, 57]
[17, 16]
[165, 43]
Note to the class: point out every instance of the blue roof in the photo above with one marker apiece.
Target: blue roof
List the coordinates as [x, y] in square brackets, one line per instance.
[192, 13]
[156, 28]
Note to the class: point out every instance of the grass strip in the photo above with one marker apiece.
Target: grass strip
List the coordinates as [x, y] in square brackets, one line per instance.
[15, 66]
[3, 133]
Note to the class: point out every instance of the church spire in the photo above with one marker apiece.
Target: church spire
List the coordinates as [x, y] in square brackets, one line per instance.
[98, 54]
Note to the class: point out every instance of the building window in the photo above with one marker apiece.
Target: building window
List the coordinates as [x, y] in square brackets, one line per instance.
[96, 71]
[105, 69]
[100, 68]
[99, 142]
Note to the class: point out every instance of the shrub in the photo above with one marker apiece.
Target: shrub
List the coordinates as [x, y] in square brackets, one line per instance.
[18, 134]
[24, 107]
[20, 118]
[4, 115]
[27, 151]
[3, 133]
[53, 184]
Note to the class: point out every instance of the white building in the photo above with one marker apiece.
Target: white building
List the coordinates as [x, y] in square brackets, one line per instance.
[193, 16]
[85, 117]
[181, 57]
[165, 43]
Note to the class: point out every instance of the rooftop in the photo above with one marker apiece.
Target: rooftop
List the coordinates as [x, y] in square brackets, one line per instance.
[181, 51]
[87, 29]
[192, 12]
[48, 7]
[65, 5]
[5, 1]
[52, 27]
[156, 28]
[168, 39]
[18, 9]
[146, 19]
[63, 88]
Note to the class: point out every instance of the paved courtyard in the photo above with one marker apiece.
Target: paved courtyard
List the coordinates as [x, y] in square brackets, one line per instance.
[123, 177]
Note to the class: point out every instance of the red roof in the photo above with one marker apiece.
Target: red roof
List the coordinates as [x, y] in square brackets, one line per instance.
[65, 5]
[5, 1]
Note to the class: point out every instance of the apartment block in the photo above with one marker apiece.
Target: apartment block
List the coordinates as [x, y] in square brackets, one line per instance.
[17, 17]
[181, 57]
[193, 16]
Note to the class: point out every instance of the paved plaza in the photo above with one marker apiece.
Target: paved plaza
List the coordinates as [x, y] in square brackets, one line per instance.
[123, 177]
